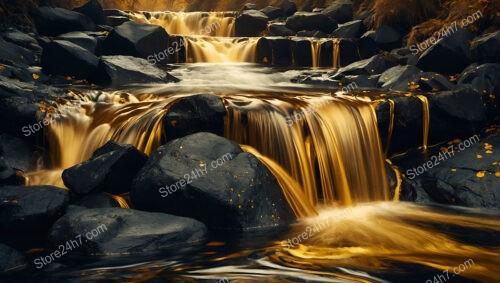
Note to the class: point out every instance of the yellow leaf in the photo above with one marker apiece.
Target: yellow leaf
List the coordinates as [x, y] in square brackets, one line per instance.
[479, 156]
[35, 76]
[497, 174]
[480, 174]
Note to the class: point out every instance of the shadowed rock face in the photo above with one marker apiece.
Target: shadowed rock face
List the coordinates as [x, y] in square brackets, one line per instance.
[31, 208]
[240, 194]
[118, 231]
[11, 260]
[55, 21]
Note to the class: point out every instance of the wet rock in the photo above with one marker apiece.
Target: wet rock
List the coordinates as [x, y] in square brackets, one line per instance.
[352, 29]
[124, 70]
[450, 55]
[34, 208]
[250, 23]
[385, 37]
[457, 113]
[8, 175]
[348, 52]
[279, 29]
[110, 169]
[311, 21]
[374, 65]
[461, 178]
[312, 33]
[197, 113]
[288, 6]
[93, 10]
[361, 81]
[301, 49]
[11, 260]
[239, 193]
[272, 12]
[275, 51]
[431, 81]
[54, 21]
[484, 49]
[485, 79]
[68, 59]
[10, 53]
[340, 10]
[114, 12]
[125, 231]
[115, 21]
[136, 39]
[17, 113]
[248, 6]
[96, 201]
[398, 77]
[404, 56]
[81, 39]
[22, 39]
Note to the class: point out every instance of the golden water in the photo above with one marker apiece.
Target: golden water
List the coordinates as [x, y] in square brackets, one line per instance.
[220, 49]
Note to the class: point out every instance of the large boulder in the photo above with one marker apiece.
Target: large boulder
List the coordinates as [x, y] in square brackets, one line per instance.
[340, 10]
[12, 53]
[22, 39]
[250, 23]
[11, 260]
[486, 79]
[124, 70]
[9, 175]
[485, 49]
[117, 231]
[211, 179]
[374, 65]
[81, 39]
[385, 37]
[352, 29]
[280, 29]
[55, 21]
[93, 10]
[311, 21]
[136, 39]
[111, 169]
[18, 113]
[197, 113]
[272, 12]
[449, 55]
[64, 58]
[398, 77]
[26, 209]
[288, 6]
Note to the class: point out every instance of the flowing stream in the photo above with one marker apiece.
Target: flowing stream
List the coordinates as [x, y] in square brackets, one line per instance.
[325, 150]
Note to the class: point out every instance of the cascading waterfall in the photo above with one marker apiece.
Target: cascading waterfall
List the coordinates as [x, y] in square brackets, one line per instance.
[220, 49]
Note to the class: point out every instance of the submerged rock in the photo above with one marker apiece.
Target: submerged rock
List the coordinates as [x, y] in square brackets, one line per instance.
[211, 179]
[111, 169]
[55, 21]
[26, 209]
[117, 231]
[197, 113]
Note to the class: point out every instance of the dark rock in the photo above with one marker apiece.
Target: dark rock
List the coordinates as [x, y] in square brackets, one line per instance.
[55, 21]
[239, 193]
[361, 81]
[385, 37]
[430, 81]
[374, 65]
[462, 178]
[352, 29]
[404, 56]
[301, 52]
[123, 70]
[340, 10]
[18, 153]
[485, 49]
[279, 29]
[10, 53]
[348, 52]
[311, 21]
[398, 77]
[125, 231]
[96, 201]
[272, 12]
[22, 39]
[68, 59]
[197, 113]
[312, 33]
[33, 208]
[450, 55]
[114, 12]
[367, 47]
[112, 170]
[288, 6]
[250, 23]
[136, 39]
[485, 79]
[17, 113]
[115, 21]
[8, 175]
[81, 39]
[93, 10]
[275, 51]
[11, 260]
[249, 6]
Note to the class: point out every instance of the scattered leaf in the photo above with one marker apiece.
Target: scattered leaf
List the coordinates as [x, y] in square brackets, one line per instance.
[480, 174]
[36, 76]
